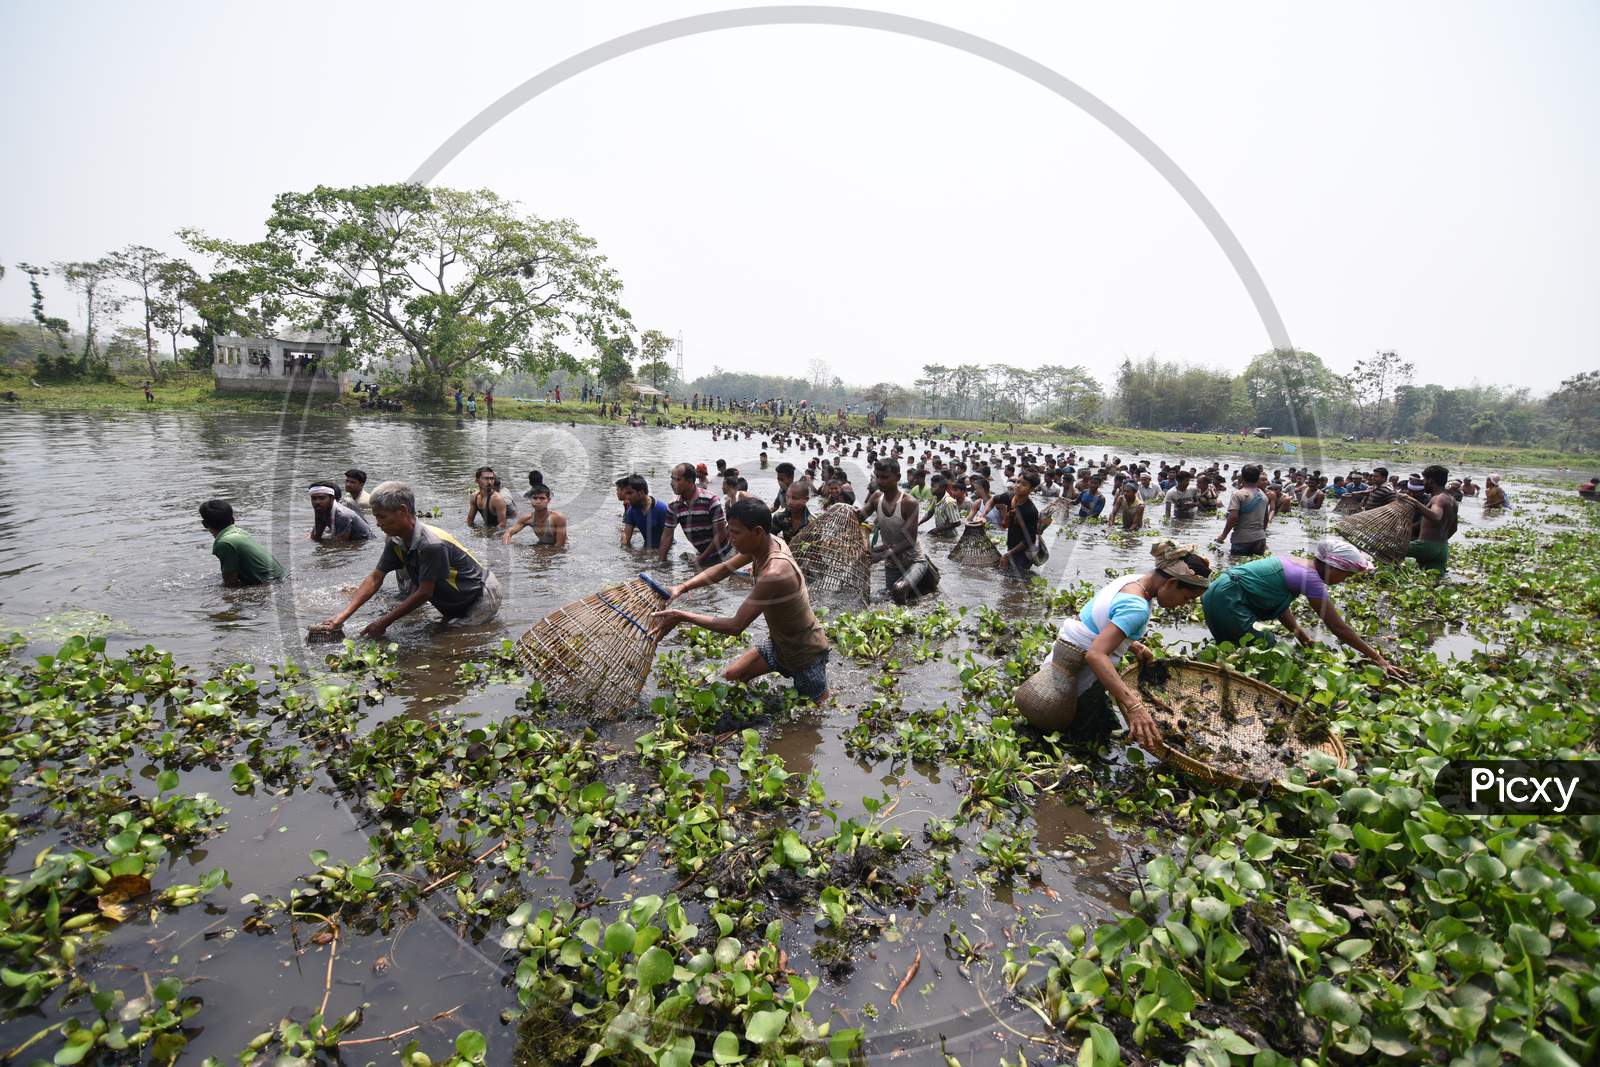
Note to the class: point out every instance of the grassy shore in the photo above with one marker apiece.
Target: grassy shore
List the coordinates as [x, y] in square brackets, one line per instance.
[195, 392]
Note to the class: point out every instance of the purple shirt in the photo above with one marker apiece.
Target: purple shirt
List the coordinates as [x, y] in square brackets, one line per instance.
[1302, 579]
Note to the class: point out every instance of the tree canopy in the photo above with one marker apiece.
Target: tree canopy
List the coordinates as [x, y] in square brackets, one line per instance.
[441, 282]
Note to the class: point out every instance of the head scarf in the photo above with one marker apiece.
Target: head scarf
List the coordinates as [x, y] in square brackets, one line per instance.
[1342, 555]
[1171, 561]
[323, 490]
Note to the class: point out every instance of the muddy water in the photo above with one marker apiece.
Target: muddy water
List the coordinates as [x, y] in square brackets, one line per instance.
[98, 529]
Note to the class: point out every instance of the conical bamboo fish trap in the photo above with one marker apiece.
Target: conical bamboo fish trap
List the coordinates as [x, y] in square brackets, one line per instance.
[833, 555]
[1349, 504]
[1385, 531]
[1225, 728]
[975, 545]
[596, 652]
[1059, 510]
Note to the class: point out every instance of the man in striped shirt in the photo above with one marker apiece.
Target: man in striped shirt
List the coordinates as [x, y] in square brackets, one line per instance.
[700, 513]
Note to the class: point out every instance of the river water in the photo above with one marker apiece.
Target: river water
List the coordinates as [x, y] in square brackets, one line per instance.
[98, 528]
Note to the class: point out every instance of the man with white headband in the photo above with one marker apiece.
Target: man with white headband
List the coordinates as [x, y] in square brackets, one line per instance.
[327, 512]
[1266, 589]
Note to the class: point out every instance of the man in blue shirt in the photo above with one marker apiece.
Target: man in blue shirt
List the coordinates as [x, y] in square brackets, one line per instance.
[644, 513]
[1091, 502]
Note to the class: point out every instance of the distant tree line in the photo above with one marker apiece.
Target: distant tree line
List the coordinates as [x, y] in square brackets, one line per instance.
[428, 286]
[1377, 399]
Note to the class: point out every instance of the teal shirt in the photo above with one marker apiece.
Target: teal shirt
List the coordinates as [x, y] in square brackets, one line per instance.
[241, 554]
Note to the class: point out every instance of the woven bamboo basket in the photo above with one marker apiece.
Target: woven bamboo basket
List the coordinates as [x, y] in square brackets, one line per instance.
[1385, 531]
[1224, 728]
[1349, 504]
[596, 652]
[833, 555]
[975, 545]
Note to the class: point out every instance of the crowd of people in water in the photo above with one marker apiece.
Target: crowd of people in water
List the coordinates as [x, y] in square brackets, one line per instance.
[921, 484]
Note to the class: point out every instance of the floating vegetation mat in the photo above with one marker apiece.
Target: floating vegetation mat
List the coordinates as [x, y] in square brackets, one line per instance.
[1228, 729]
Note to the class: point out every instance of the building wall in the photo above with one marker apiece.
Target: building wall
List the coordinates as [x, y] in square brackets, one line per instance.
[234, 373]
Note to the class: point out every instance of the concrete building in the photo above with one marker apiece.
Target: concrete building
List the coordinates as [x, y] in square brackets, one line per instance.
[292, 362]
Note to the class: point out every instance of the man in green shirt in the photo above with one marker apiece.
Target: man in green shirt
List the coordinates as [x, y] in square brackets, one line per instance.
[243, 560]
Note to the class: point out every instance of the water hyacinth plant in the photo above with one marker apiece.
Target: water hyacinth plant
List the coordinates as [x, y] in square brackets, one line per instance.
[678, 889]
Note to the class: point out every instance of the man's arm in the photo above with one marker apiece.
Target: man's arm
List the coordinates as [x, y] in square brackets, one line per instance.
[514, 528]
[319, 526]
[419, 596]
[364, 592]
[627, 534]
[472, 508]
[666, 542]
[558, 524]
[497, 505]
[719, 538]
[1232, 521]
[710, 576]
[768, 589]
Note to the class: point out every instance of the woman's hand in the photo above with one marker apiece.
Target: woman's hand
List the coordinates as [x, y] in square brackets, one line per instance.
[1142, 653]
[1141, 727]
[374, 629]
[505, 538]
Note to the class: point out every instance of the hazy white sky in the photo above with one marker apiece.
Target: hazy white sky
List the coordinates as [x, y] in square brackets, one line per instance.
[1417, 176]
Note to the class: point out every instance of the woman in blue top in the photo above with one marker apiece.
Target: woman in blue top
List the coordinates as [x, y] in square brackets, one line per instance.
[1062, 696]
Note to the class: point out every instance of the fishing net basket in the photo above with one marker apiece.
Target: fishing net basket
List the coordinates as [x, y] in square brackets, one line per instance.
[596, 652]
[1384, 531]
[1224, 728]
[832, 553]
[1349, 504]
[975, 545]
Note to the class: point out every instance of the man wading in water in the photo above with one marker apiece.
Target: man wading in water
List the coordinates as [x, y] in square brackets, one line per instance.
[795, 645]
[906, 570]
[432, 568]
[1431, 549]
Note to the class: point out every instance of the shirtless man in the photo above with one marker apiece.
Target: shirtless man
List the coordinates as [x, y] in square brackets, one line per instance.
[488, 501]
[795, 646]
[1493, 495]
[895, 516]
[1431, 549]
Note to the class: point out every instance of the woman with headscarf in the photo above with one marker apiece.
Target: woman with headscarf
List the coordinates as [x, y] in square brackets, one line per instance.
[1064, 696]
[1267, 588]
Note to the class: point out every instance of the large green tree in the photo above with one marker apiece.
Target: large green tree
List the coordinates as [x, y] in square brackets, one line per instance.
[1576, 403]
[91, 280]
[655, 348]
[140, 266]
[444, 282]
[614, 364]
[1373, 386]
[1288, 390]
